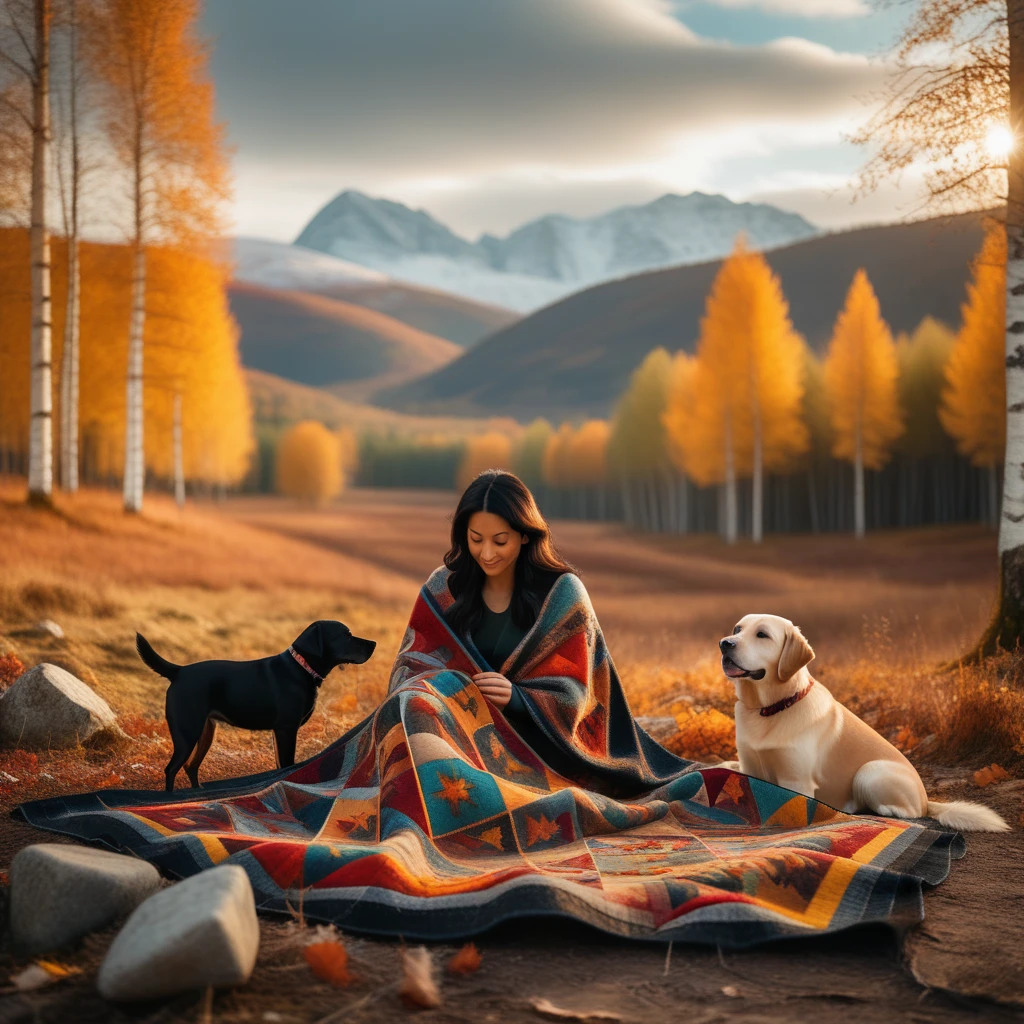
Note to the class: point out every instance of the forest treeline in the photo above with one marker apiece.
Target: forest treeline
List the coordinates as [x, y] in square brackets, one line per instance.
[755, 432]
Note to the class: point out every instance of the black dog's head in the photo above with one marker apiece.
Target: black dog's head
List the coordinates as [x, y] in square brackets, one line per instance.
[326, 644]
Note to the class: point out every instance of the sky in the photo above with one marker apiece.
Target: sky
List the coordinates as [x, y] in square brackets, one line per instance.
[489, 113]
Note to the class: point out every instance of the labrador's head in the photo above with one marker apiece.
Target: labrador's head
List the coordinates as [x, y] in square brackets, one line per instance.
[763, 646]
[328, 643]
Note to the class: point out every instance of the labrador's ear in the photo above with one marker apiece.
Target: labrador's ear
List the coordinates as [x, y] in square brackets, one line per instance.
[311, 641]
[796, 652]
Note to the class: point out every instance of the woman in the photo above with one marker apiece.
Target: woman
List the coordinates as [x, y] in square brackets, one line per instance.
[518, 609]
[504, 775]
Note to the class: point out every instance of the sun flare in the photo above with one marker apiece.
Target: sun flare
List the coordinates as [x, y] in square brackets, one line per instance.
[1000, 141]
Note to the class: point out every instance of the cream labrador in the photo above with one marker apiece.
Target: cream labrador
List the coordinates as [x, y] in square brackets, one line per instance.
[791, 731]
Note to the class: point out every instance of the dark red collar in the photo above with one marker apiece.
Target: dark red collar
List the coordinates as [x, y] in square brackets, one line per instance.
[786, 702]
[306, 665]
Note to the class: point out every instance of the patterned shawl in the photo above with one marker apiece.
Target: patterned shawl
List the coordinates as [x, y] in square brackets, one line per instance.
[433, 819]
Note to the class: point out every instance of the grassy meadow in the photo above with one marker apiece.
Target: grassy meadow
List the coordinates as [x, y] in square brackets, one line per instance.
[240, 579]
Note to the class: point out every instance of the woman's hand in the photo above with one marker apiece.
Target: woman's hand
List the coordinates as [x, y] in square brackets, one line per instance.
[495, 687]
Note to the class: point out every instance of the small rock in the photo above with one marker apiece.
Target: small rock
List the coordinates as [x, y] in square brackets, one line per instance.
[49, 707]
[201, 932]
[658, 727]
[51, 627]
[60, 893]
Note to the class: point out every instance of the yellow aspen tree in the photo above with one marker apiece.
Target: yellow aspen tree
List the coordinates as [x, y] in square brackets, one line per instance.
[309, 463]
[588, 457]
[746, 385]
[154, 86]
[638, 457]
[492, 450]
[556, 465]
[529, 453]
[861, 375]
[973, 409]
[923, 358]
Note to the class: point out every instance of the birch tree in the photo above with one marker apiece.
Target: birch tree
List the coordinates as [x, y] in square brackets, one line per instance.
[153, 83]
[962, 117]
[25, 52]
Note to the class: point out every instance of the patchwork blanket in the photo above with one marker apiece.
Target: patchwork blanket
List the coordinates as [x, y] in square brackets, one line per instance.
[433, 819]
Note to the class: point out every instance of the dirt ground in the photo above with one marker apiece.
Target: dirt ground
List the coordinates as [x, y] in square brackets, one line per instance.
[238, 579]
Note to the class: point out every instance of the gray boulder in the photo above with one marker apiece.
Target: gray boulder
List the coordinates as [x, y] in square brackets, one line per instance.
[48, 707]
[201, 932]
[658, 727]
[59, 893]
[52, 628]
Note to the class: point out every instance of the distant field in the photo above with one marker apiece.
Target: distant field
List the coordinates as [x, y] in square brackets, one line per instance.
[242, 578]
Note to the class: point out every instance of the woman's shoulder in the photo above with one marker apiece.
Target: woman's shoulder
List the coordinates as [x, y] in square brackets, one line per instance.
[566, 582]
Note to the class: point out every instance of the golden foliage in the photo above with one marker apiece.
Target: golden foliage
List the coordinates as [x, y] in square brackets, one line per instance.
[529, 454]
[158, 100]
[588, 454]
[861, 373]
[747, 381]
[192, 349]
[492, 450]
[309, 463]
[973, 407]
[637, 443]
[922, 360]
[556, 465]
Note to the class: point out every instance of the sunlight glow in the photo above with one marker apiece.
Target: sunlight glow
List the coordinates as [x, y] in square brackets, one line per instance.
[1000, 141]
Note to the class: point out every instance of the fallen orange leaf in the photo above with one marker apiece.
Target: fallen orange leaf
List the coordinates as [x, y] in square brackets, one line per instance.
[993, 773]
[329, 961]
[466, 961]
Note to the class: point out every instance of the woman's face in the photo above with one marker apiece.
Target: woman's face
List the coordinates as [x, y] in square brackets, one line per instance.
[493, 543]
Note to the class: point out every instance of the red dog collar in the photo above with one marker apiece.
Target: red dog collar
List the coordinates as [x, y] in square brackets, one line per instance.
[305, 664]
[786, 702]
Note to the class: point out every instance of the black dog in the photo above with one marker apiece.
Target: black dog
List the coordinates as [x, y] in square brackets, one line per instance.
[275, 693]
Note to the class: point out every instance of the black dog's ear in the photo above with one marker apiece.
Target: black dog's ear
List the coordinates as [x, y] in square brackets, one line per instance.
[311, 640]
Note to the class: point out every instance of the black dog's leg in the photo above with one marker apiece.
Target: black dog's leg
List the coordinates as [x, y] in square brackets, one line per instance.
[284, 746]
[184, 743]
[192, 768]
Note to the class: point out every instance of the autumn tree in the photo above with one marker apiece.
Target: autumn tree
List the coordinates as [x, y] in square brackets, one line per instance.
[974, 399]
[309, 463]
[956, 105]
[25, 51]
[556, 464]
[492, 450]
[528, 458]
[744, 391]
[638, 457]
[861, 375]
[154, 87]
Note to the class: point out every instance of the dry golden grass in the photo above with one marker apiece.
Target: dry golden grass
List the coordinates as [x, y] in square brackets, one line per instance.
[241, 580]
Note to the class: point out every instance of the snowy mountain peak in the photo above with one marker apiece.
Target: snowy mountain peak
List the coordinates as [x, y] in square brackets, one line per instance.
[550, 256]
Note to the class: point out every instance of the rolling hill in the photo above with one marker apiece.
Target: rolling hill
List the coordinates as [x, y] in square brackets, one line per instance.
[324, 342]
[575, 357]
[277, 402]
[270, 264]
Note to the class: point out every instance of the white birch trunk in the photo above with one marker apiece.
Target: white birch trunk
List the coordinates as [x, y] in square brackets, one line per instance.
[40, 458]
[134, 461]
[757, 523]
[858, 485]
[1011, 520]
[731, 526]
[179, 467]
[69, 374]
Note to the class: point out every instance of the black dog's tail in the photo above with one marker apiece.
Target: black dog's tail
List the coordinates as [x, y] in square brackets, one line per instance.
[159, 665]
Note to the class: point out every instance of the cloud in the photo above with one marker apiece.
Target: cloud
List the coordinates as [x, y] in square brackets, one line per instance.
[803, 8]
[394, 94]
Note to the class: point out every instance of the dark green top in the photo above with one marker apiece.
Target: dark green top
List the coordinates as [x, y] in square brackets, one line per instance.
[496, 638]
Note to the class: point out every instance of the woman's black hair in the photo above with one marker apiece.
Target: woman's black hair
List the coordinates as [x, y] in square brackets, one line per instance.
[538, 564]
